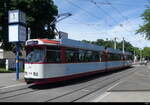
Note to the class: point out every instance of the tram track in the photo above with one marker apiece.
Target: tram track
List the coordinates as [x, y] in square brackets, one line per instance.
[100, 86]
[85, 89]
[15, 92]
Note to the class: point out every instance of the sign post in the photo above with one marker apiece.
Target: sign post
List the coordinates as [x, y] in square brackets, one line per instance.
[17, 61]
[17, 32]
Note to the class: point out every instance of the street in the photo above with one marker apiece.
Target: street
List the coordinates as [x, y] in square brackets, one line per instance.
[128, 85]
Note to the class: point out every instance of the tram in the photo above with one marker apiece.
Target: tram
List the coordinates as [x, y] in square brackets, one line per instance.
[55, 60]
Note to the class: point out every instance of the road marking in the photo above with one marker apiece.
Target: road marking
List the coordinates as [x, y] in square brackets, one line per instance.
[85, 90]
[105, 93]
[13, 85]
[101, 97]
[114, 85]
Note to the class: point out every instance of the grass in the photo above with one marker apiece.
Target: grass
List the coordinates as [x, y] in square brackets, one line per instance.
[3, 70]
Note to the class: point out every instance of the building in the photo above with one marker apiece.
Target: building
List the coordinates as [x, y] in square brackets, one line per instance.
[8, 59]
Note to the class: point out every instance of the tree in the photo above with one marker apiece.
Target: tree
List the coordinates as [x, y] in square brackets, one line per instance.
[145, 29]
[39, 13]
[128, 47]
[110, 44]
[146, 52]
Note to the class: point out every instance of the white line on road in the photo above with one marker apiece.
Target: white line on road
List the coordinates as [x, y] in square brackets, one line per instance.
[101, 97]
[13, 85]
[105, 93]
[114, 85]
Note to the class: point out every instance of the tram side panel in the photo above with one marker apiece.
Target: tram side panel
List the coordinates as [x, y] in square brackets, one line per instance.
[54, 70]
[58, 70]
[128, 63]
[85, 67]
[114, 64]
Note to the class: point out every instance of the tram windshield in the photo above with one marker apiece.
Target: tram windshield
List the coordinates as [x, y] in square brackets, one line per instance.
[35, 55]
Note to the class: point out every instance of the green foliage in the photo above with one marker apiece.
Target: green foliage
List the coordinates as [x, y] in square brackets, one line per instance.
[110, 44]
[145, 29]
[146, 52]
[3, 70]
[128, 47]
[39, 13]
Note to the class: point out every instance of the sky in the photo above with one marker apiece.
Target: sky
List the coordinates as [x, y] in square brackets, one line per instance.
[103, 19]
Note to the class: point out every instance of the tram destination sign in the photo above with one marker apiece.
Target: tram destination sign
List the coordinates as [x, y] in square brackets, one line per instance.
[32, 42]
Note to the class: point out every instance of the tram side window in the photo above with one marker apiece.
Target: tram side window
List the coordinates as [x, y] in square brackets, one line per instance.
[111, 56]
[117, 57]
[101, 56]
[72, 55]
[95, 56]
[129, 57]
[88, 56]
[53, 56]
[81, 55]
[114, 57]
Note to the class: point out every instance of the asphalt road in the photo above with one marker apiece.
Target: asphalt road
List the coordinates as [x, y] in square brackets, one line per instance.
[133, 88]
[97, 88]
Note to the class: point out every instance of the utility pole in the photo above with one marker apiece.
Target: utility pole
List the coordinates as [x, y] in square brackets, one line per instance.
[123, 46]
[140, 55]
[134, 55]
[17, 33]
[115, 43]
[29, 33]
[5, 23]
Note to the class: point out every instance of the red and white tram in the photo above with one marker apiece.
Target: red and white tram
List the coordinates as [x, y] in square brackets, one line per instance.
[50, 61]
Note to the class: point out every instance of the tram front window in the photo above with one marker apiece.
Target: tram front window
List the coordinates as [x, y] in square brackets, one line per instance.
[35, 55]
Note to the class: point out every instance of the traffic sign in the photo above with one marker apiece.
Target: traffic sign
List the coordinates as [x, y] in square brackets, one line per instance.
[17, 16]
[17, 33]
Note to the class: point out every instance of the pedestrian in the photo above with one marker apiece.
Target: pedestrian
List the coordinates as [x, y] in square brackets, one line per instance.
[145, 62]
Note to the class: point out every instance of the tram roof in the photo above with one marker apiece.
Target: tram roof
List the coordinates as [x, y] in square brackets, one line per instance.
[72, 43]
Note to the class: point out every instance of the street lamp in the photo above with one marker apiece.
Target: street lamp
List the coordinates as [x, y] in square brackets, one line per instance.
[140, 55]
[123, 46]
[115, 42]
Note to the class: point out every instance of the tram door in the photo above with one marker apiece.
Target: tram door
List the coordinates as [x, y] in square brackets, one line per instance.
[105, 53]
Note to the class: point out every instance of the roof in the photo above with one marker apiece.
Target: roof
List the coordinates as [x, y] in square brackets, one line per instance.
[72, 43]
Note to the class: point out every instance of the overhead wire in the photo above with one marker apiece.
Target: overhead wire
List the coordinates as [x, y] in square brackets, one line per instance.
[92, 15]
[96, 4]
[79, 22]
[87, 12]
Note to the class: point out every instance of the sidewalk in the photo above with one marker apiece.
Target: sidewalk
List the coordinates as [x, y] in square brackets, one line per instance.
[134, 88]
[9, 79]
